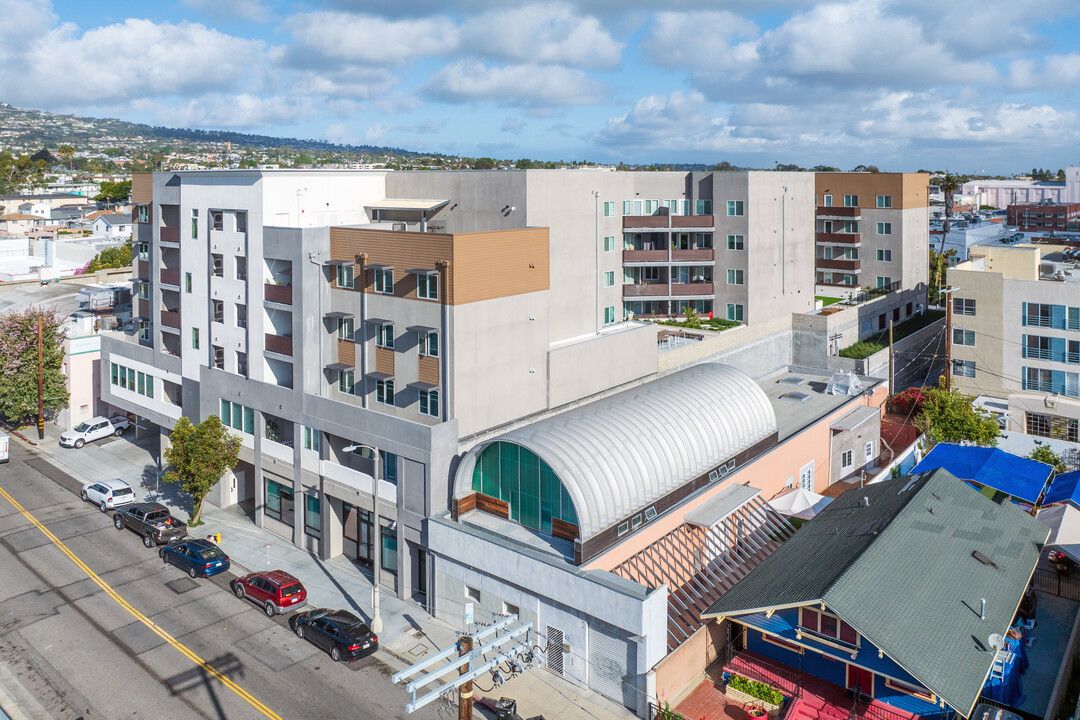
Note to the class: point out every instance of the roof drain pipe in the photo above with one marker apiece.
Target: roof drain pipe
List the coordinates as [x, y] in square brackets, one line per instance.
[982, 608]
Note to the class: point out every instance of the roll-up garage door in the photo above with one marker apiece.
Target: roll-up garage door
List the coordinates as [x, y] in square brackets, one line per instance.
[613, 666]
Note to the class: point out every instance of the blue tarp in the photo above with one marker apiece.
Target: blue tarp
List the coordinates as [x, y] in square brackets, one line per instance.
[1065, 488]
[1013, 475]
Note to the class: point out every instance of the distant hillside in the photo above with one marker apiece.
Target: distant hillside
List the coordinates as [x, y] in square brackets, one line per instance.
[36, 127]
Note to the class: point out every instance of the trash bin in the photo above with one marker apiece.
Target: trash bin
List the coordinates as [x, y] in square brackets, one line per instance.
[506, 709]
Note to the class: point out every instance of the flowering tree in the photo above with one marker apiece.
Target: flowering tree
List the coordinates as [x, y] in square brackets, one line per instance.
[19, 360]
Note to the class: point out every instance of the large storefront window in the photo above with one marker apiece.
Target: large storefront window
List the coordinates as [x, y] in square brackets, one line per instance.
[517, 475]
[357, 534]
[312, 515]
[279, 502]
[388, 556]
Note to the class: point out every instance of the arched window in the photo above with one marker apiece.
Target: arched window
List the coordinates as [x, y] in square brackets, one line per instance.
[513, 473]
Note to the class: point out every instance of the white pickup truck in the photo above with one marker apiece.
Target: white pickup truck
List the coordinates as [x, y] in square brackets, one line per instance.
[94, 429]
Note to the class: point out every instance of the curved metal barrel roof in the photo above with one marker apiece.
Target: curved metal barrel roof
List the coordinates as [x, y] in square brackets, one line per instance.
[619, 454]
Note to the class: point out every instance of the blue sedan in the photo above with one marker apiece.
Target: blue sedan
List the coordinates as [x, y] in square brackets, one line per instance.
[200, 558]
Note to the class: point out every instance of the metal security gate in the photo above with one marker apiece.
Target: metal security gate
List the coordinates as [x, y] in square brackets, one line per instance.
[554, 650]
[613, 667]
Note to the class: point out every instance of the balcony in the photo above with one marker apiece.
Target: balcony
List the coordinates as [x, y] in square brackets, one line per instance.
[170, 235]
[843, 213]
[696, 288]
[170, 319]
[702, 255]
[664, 222]
[656, 289]
[837, 264]
[142, 270]
[838, 238]
[651, 222]
[645, 256]
[682, 222]
[278, 294]
[170, 277]
[278, 344]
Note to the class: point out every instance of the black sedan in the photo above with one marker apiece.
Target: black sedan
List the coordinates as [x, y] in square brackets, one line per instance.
[342, 634]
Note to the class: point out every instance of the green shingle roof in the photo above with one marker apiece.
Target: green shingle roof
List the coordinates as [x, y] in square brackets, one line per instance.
[896, 561]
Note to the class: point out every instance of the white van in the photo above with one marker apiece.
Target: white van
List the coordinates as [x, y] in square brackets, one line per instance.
[4, 440]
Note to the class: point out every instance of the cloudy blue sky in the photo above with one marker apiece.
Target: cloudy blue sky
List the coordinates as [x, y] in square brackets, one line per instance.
[976, 86]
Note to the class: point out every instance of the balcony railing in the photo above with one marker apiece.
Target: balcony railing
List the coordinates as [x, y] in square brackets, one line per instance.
[656, 289]
[278, 344]
[700, 255]
[1046, 322]
[644, 221]
[839, 212]
[649, 256]
[663, 222]
[170, 277]
[278, 294]
[837, 264]
[1041, 353]
[838, 238]
[142, 270]
[692, 221]
[170, 319]
[696, 288]
[170, 235]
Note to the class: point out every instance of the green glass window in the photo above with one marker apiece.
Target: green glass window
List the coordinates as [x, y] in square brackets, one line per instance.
[115, 373]
[312, 519]
[533, 490]
[388, 556]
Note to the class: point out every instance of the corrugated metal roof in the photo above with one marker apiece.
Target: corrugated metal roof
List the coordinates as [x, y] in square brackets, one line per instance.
[618, 454]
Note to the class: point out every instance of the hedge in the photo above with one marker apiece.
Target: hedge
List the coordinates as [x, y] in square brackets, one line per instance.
[757, 689]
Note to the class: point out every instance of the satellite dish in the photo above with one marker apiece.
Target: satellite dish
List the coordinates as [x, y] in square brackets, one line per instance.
[995, 641]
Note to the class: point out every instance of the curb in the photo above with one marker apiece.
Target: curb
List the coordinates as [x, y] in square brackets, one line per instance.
[18, 434]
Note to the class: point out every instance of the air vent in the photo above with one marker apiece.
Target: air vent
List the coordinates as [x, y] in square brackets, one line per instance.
[795, 397]
[792, 381]
[983, 559]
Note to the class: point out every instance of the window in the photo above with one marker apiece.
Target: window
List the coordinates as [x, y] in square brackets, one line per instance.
[279, 502]
[241, 316]
[429, 403]
[388, 556]
[129, 379]
[735, 242]
[851, 227]
[851, 201]
[384, 281]
[346, 381]
[237, 417]
[144, 329]
[389, 462]
[312, 515]
[187, 282]
[919, 692]
[144, 291]
[311, 439]
[609, 314]
[884, 255]
[884, 201]
[429, 344]
[626, 207]
[827, 625]
[472, 594]
[194, 224]
[845, 460]
[609, 243]
[219, 356]
[806, 477]
[735, 312]
[964, 306]
[241, 222]
[345, 328]
[144, 251]
[963, 337]
[241, 267]
[195, 338]
[884, 228]
[734, 208]
[384, 336]
[217, 263]
[427, 287]
[384, 392]
[734, 277]
[217, 219]
[217, 311]
[652, 207]
[241, 364]
[345, 277]
[826, 201]
[1038, 314]
[704, 207]
[868, 451]
[609, 278]
[609, 209]
[964, 368]
[883, 281]
[144, 214]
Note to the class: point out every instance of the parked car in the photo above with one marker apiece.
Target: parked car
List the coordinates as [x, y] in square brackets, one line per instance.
[93, 429]
[339, 632]
[277, 591]
[152, 521]
[200, 558]
[108, 494]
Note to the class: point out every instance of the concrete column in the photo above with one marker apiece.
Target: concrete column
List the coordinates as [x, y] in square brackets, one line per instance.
[333, 527]
[300, 504]
[258, 482]
[404, 557]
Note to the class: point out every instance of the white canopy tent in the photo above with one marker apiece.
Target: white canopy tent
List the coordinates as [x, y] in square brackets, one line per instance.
[1064, 523]
[800, 503]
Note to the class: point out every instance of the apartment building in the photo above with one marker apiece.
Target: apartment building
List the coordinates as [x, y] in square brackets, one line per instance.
[1044, 217]
[872, 230]
[1015, 334]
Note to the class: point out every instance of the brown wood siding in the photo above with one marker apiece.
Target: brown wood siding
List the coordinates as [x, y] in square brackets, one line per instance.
[384, 360]
[564, 530]
[493, 506]
[499, 264]
[403, 250]
[464, 505]
[142, 187]
[346, 352]
[908, 190]
[428, 369]
[142, 269]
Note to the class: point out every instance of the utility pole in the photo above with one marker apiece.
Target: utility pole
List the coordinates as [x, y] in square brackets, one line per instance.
[40, 383]
[465, 698]
[891, 379]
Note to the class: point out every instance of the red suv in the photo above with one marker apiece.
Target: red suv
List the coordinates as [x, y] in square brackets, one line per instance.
[277, 591]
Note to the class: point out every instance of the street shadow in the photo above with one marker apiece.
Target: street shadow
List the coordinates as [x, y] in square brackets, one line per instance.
[352, 603]
[228, 665]
[157, 490]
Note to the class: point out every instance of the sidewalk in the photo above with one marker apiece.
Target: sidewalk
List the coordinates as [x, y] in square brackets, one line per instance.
[409, 633]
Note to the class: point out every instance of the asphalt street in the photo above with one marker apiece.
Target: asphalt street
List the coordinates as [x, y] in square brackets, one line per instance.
[94, 625]
[920, 367]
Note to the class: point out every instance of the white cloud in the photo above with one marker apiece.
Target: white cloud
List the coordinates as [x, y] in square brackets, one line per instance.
[541, 33]
[377, 131]
[469, 81]
[700, 39]
[513, 125]
[366, 39]
[244, 9]
[1055, 72]
[231, 111]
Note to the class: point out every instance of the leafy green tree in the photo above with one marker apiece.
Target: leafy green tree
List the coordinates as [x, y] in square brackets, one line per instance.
[938, 264]
[525, 164]
[484, 163]
[20, 173]
[19, 349]
[723, 166]
[114, 192]
[1044, 454]
[111, 258]
[198, 456]
[948, 416]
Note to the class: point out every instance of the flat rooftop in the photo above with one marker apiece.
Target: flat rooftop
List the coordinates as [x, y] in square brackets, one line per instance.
[807, 401]
[19, 296]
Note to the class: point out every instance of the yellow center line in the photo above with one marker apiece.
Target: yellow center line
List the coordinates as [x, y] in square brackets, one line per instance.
[158, 630]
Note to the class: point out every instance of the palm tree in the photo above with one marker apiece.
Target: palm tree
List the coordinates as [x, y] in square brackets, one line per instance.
[67, 152]
[949, 184]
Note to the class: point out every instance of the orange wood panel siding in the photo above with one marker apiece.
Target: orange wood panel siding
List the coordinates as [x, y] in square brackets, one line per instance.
[428, 369]
[564, 530]
[493, 506]
[142, 188]
[346, 352]
[908, 190]
[384, 360]
[464, 505]
[403, 250]
[500, 264]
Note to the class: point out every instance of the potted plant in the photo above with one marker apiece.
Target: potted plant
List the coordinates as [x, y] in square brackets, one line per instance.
[756, 711]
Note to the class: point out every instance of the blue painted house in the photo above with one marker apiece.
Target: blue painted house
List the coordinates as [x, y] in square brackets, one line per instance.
[893, 590]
